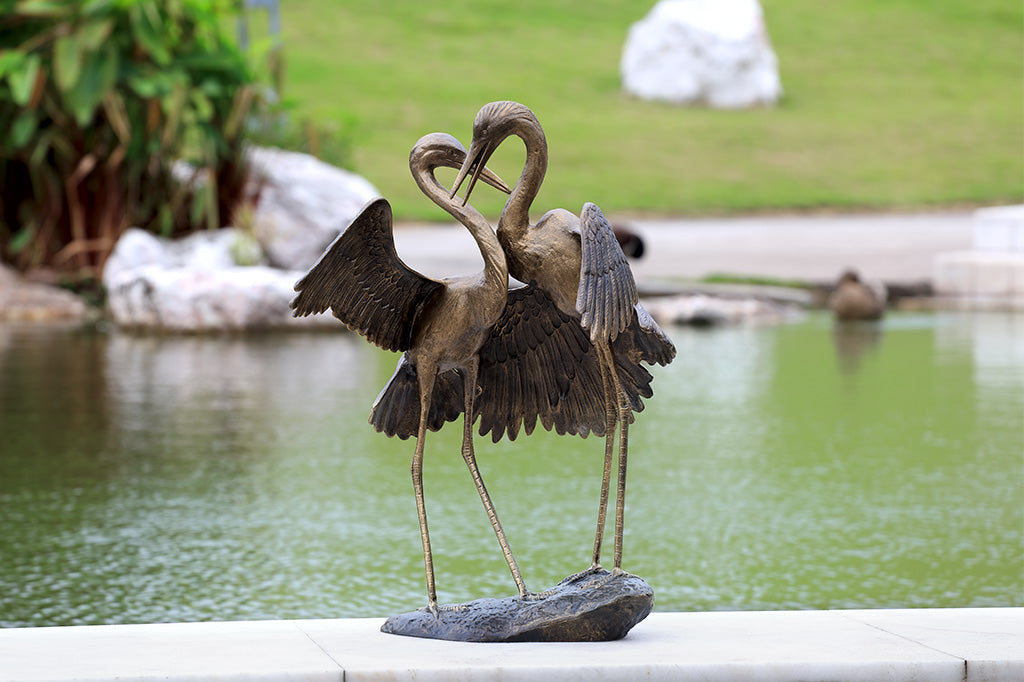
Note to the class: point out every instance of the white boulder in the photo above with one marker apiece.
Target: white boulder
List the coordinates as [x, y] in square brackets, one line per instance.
[194, 285]
[706, 310]
[303, 204]
[233, 279]
[703, 52]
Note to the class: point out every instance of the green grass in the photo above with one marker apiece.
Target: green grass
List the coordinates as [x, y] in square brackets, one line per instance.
[888, 103]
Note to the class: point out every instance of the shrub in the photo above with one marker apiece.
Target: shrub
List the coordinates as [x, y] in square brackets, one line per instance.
[97, 100]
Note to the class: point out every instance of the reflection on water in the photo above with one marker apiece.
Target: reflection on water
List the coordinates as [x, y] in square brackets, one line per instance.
[147, 479]
[853, 341]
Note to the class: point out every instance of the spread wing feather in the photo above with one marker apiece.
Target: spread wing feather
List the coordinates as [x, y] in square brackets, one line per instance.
[607, 290]
[643, 340]
[396, 411]
[529, 364]
[365, 284]
[539, 364]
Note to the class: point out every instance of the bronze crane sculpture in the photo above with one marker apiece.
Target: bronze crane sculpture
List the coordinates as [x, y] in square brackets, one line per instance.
[578, 263]
[440, 325]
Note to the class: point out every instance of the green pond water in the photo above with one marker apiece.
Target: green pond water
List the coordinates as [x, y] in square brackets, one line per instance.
[151, 479]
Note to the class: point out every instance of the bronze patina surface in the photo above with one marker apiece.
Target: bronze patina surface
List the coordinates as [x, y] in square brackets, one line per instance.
[566, 350]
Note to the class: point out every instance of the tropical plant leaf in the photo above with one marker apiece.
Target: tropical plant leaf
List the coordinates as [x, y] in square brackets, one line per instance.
[11, 61]
[145, 85]
[93, 33]
[21, 239]
[131, 85]
[99, 73]
[23, 79]
[67, 61]
[22, 129]
[146, 24]
[40, 8]
[97, 7]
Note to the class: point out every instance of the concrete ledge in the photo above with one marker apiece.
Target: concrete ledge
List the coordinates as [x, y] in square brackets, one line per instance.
[921, 644]
[979, 274]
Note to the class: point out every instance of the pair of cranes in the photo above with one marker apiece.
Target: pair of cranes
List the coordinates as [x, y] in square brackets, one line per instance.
[566, 349]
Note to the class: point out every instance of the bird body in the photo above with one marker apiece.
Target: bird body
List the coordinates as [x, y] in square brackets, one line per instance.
[531, 252]
[577, 262]
[440, 325]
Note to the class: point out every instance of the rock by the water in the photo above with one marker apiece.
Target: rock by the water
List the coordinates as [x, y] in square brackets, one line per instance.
[194, 285]
[232, 279]
[25, 301]
[704, 52]
[303, 204]
[300, 203]
[593, 606]
[704, 310]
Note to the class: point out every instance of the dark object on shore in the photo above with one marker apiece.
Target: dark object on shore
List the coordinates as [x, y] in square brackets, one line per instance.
[630, 242]
[593, 606]
[855, 300]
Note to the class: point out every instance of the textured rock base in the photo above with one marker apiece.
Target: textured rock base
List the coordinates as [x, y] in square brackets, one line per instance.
[593, 606]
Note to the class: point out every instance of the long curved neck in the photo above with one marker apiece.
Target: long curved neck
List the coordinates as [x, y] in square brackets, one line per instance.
[495, 266]
[515, 217]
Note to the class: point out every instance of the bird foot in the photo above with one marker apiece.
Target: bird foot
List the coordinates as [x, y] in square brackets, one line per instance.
[601, 575]
[594, 568]
[534, 596]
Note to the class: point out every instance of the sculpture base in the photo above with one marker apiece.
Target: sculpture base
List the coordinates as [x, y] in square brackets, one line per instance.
[592, 606]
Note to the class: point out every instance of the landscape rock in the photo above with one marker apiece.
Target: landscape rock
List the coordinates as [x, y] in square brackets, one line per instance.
[593, 606]
[194, 285]
[704, 310]
[715, 53]
[303, 203]
[24, 301]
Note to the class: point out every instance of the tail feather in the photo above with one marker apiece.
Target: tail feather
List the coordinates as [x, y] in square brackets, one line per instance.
[396, 411]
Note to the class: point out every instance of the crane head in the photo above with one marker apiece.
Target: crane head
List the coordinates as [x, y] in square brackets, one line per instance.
[437, 150]
[494, 122]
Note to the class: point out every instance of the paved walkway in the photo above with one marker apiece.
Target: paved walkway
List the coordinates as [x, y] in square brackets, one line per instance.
[939, 645]
[896, 248]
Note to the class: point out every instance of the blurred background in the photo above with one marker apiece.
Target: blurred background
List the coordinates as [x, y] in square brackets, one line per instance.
[884, 105]
[790, 463]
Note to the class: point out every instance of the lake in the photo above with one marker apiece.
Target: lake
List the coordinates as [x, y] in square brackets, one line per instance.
[800, 466]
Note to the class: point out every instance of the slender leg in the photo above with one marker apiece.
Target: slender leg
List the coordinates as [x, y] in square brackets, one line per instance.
[426, 379]
[623, 420]
[620, 497]
[606, 478]
[470, 458]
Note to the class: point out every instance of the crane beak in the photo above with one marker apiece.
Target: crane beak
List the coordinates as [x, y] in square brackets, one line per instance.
[472, 166]
[492, 179]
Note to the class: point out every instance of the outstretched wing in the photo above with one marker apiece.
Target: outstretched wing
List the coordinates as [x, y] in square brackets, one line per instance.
[538, 363]
[365, 284]
[607, 290]
[644, 340]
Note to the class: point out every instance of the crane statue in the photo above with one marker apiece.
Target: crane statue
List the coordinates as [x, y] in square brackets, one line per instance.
[439, 324]
[577, 262]
[506, 357]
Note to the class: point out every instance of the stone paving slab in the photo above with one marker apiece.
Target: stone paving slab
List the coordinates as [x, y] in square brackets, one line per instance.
[978, 645]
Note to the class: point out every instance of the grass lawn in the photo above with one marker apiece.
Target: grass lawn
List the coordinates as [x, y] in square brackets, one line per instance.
[888, 103]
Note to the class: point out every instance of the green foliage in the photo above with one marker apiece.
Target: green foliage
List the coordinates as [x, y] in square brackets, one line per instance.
[97, 99]
[888, 103]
